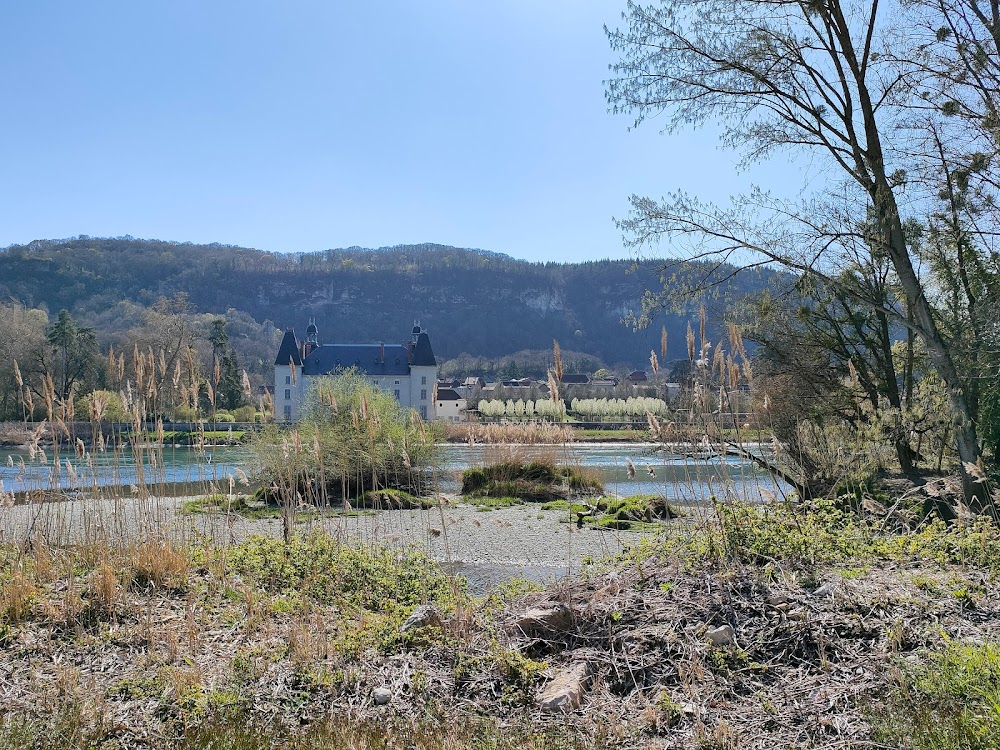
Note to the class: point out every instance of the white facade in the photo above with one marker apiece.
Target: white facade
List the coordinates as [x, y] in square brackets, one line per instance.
[406, 371]
[450, 407]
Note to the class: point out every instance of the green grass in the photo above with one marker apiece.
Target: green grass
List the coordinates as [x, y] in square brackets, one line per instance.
[183, 437]
[950, 699]
[321, 567]
[633, 513]
[822, 533]
[390, 499]
[69, 728]
[256, 509]
[487, 503]
[612, 436]
[241, 505]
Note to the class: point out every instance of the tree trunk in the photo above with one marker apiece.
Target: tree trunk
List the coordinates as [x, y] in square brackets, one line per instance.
[967, 442]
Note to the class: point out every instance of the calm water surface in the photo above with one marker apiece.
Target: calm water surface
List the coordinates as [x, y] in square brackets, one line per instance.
[675, 477]
[48, 470]
[678, 478]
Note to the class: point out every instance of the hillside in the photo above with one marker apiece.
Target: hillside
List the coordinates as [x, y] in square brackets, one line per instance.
[475, 302]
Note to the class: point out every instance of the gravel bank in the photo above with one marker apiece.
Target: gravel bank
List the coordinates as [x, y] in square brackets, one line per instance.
[485, 546]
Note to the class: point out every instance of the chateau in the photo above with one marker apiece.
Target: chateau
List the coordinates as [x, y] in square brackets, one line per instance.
[408, 371]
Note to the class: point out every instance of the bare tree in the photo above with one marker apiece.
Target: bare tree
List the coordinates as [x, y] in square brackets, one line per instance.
[822, 76]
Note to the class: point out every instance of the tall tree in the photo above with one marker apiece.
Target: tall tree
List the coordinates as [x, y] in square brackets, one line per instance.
[227, 378]
[22, 336]
[821, 76]
[76, 353]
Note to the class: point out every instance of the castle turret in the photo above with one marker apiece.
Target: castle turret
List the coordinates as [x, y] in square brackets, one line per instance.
[423, 373]
[287, 378]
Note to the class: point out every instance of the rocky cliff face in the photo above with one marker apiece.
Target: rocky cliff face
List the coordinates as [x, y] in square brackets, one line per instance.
[474, 302]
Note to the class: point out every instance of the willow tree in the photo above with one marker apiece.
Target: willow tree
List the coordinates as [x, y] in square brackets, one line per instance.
[826, 78]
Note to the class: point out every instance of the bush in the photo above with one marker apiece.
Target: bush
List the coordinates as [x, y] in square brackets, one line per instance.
[224, 416]
[244, 414]
[102, 406]
[534, 480]
[352, 437]
[185, 414]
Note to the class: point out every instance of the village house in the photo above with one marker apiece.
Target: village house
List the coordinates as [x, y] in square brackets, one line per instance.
[449, 405]
[408, 371]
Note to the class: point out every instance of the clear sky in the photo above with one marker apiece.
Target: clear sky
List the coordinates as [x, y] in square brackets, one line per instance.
[299, 125]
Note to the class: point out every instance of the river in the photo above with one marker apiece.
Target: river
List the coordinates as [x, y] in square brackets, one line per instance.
[679, 478]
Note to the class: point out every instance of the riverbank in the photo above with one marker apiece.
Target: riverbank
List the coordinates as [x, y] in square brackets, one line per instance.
[485, 544]
[756, 628]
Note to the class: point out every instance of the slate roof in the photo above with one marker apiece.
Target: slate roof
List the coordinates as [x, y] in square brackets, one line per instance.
[366, 357]
[447, 394]
[288, 352]
[575, 378]
[423, 355]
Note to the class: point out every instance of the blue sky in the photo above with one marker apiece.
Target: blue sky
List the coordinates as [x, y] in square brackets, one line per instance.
[309, 124]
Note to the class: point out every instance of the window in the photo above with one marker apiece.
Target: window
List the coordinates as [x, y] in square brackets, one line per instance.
[423, 412]
[288, 379]
[288, 414]
[396, 393]
[395, 382]
[288, 394]
[423, 380]
[423, 395]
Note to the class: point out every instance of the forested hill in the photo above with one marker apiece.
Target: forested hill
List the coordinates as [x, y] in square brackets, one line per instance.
[475, 302]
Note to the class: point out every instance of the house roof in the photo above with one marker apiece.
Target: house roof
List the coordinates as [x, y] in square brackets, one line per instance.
[637, 376]
[575, 378]
[423, 355]
[288, 352]
[366, 357]
[447, 394]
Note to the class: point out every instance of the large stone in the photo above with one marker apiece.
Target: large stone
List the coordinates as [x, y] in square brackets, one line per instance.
[381, 696]
[564, 692]
[721, 636]
[544, 619]
[426, 615]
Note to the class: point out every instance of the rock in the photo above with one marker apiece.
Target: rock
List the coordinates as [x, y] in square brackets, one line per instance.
[827, 589]
[551, 617]
[426, 615]
[381, 696]
[777, 599]
[721, 636]
[565, 691]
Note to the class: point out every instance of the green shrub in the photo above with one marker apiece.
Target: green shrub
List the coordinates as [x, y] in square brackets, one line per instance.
[534, 480]
[244, 414]
[224, 416]
[321, 567]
